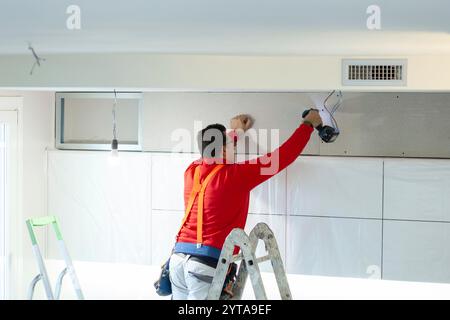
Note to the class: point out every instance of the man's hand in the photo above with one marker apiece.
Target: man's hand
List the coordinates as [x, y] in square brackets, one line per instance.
[242, 121]
[313, 118]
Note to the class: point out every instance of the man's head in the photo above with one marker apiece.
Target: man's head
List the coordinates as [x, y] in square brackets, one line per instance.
[214, 143]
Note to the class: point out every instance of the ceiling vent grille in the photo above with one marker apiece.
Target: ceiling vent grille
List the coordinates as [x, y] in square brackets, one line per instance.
[374, 72]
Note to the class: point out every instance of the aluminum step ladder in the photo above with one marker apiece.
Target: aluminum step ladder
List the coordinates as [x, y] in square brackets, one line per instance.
[41, 222]
[249, 264]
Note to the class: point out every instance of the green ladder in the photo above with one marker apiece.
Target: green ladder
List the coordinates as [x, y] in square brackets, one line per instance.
[42, 222]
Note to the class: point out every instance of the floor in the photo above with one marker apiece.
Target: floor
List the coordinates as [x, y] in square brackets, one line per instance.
[125, 281]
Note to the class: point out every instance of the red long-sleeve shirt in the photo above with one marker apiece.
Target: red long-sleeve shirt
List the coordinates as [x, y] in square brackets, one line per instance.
[226, 199]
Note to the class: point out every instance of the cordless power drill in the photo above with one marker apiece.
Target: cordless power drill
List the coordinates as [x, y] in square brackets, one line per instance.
[328, 131]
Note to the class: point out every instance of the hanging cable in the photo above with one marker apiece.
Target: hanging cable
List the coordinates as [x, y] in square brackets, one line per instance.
[114, 143]
[114, 116]
[334, 108]
[328, 130]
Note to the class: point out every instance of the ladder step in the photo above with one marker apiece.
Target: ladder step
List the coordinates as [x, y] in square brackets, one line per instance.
[239, 257]
[262, 259]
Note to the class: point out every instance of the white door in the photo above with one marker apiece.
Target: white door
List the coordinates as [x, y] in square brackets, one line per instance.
[8, 183]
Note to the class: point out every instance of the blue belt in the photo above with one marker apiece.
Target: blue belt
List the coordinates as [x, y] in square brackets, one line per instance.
[191, 248]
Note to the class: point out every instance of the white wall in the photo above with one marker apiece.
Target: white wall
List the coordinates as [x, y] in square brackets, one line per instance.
[104, 210]
[417, 232]
[209, 72]
[329, 227]
[332, 216]
[36, 122]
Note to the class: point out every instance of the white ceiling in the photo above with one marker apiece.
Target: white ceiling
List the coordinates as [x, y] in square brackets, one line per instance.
[226, 27]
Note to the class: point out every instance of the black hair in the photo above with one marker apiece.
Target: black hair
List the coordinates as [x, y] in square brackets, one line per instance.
[211, 140]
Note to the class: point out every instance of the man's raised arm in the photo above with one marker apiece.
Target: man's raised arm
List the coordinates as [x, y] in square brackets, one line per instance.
[256, 171]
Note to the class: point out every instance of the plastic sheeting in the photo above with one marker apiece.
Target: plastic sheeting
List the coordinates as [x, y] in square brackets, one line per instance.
[103, 208]
[328, 213]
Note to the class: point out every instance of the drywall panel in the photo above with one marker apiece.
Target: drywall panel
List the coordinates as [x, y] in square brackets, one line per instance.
[392, 124]
[171, 120]
[371, 124]
[333, 186]
[168, 180]
[334, 247]
[103, 208]
[417, 189]
[165, 226]
[416, 251]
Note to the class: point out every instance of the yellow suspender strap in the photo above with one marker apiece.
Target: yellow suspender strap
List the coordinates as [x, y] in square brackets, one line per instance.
[201, 197]
[199, 189]
[195, 190]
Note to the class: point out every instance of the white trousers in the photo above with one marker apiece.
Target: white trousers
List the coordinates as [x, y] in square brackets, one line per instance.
[190, 280]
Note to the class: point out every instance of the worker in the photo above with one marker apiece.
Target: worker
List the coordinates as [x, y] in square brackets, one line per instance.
[225, 200]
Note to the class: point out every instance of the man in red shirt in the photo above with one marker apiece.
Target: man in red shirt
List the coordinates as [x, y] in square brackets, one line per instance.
[224, 203]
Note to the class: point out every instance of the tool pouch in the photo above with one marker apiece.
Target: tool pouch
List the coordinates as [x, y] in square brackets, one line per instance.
[163, 285]
[230, 279]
